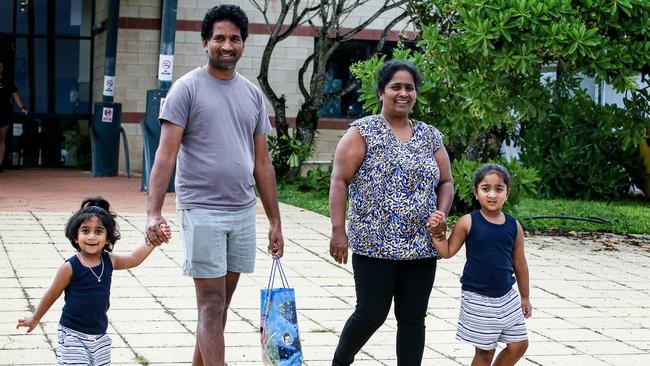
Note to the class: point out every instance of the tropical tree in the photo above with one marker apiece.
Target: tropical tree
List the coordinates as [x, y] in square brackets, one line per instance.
[326, 18]
[483, 60]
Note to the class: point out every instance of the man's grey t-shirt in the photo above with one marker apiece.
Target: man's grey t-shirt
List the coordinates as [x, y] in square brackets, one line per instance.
[214, 168]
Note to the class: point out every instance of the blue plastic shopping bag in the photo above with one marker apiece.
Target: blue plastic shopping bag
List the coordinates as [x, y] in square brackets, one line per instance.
[279, 322]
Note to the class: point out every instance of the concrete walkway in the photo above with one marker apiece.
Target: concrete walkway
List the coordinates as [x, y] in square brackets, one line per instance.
[591, 297]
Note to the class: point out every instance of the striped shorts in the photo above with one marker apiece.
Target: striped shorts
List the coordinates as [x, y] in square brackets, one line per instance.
[76, 348]
[485, 321]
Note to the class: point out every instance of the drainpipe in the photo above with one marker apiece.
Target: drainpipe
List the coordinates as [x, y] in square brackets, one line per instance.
[105, 128]
[167, 40]
[150, 124]
[111, 50]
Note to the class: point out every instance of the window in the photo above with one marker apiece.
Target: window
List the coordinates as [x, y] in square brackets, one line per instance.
[339, 76]
[6, 16]
[53, 55]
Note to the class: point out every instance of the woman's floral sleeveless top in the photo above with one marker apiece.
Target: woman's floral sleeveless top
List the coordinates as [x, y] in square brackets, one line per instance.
[394, 192]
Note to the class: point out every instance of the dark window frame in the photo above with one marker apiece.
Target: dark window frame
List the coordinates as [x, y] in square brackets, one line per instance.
[51, 39]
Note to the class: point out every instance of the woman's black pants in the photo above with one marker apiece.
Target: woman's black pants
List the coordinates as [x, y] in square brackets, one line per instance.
[377, 282]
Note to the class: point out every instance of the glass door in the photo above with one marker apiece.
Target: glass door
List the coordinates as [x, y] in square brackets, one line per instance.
[52, 66]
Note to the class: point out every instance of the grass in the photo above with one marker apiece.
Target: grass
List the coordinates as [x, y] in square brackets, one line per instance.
[312, 200]
[625, 217]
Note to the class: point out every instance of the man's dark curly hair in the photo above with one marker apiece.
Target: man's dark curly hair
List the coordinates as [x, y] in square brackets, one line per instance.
[221, 12]
[93, 207]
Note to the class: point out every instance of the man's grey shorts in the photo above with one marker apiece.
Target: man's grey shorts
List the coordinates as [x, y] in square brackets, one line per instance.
[216, 241]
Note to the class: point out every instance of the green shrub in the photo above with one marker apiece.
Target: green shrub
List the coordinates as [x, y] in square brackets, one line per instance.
[581, 150]
[298, 151]
[317, 180]
[79, 148]
[523, 183]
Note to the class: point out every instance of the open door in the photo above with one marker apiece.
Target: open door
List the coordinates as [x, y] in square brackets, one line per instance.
[7, 51]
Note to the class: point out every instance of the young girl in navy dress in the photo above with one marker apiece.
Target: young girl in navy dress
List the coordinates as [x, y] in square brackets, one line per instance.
[491, 310]
[86, 280]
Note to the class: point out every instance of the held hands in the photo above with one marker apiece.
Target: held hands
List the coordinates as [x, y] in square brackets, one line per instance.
[30, 323]
[437, 225]
[155, 233]
[526, 307]
[167, 231]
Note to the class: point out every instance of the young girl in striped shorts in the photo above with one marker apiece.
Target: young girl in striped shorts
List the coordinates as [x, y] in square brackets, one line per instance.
[491, 310]
[86, 280]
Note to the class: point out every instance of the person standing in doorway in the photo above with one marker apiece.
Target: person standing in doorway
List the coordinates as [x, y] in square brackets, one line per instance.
[8, 91]
[213, 126]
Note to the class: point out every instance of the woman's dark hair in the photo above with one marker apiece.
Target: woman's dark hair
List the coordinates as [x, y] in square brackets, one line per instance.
[221, 12]
[97, 207]
[391, 67]
[491, 168]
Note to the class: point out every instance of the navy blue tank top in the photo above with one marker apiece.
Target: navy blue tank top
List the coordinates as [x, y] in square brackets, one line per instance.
[86, 299]
[488, 270]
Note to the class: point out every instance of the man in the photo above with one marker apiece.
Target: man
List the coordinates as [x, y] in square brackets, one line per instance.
[215, 122]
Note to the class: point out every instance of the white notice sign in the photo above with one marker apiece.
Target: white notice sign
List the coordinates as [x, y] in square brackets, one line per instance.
[107, 115]
[109, 85]
[165, 67]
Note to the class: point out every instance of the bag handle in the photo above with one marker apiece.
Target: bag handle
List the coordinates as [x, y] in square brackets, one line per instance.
[276, 266]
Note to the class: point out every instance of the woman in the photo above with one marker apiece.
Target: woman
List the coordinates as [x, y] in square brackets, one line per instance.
[397, 173]
[8, 91]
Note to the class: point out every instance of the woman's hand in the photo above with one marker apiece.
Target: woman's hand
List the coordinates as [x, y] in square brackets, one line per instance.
[349, 154]
[339, 247]
[437, 225]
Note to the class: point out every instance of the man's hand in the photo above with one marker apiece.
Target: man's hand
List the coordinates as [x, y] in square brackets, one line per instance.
[276, 242]
[339, 247]
[167, 231]
[154, 234]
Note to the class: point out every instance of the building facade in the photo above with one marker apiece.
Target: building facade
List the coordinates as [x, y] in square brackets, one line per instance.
[56, 55]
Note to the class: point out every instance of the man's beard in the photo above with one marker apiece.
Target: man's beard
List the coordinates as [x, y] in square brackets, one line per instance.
[221, 65]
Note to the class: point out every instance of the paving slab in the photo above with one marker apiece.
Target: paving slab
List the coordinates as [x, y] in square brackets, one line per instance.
[591, 296]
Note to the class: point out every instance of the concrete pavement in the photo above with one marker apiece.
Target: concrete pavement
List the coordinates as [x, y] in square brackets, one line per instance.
[591, 297]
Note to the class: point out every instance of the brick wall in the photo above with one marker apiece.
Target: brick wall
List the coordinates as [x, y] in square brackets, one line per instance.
[138, 53]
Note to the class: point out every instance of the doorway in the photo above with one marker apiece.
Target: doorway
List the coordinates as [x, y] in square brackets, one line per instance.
[50, 47]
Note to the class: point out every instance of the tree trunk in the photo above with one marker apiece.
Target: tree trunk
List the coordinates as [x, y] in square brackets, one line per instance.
[487, 145]
[307, 122]
[309, 112]
[281, 156]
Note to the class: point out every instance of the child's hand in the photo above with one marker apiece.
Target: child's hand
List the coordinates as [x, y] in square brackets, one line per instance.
[526, 307]
[30, 323]
[167, 231]
[437, 237]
